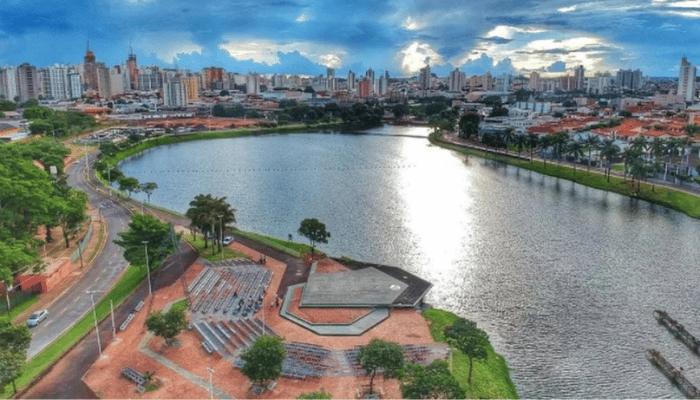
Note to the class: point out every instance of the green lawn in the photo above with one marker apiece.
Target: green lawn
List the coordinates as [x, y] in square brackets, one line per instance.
[131, 278]
[17, 309]
[490, 378]
[182, 304]
[209, 253]
[293, 249]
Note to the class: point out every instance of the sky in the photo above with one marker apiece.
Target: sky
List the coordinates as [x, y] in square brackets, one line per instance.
[398, 36]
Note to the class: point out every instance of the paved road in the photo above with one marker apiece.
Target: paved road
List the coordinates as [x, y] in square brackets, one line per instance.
[73, 304]
[64, 380]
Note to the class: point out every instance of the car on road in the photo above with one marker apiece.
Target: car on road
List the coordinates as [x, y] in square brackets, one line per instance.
[227, 240]
[36, 317]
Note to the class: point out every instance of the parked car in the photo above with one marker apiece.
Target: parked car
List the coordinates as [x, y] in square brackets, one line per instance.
[227, 240]
[36, 317]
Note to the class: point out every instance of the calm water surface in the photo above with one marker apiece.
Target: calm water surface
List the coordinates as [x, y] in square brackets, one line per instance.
[563, 278]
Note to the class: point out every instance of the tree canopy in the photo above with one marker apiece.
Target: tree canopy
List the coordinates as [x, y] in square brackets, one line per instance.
[315, 231]
[167, 324]
[434, 381]
[263, 360]
[14, 342]
[381, 356]
[208, 213]
[470, 340]
[160, 237]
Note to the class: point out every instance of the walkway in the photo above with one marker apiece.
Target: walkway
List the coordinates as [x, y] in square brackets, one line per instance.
[219, 393]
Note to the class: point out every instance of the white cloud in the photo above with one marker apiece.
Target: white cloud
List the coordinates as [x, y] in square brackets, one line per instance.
[303, 17]
[687, 14]
[412, 24]
[264, 51]
[167, 45]
[416, 56]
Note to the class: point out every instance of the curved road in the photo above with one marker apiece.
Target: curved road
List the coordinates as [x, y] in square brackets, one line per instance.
[74, 303]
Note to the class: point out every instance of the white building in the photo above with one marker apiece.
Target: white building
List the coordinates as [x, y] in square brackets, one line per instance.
[686, 80]
[457, 80]
[253, 83]
[174, 93]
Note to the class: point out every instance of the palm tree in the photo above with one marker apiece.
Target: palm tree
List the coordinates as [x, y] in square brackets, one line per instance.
[520, 142]
[508, 135]
[593, 142]
[532, 142]
[632, 157]
[560, 141]
[575, 150]
[609, 150]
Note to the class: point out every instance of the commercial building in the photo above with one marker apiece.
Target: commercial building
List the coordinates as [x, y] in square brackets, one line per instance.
[686, 80]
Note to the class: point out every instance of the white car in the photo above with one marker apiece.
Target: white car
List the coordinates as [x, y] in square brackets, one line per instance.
[36, 317]
[227, 240]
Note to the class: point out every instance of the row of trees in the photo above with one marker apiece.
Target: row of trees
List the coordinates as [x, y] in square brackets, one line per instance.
[643, 158]
[31, 198]
[46, 121]
[263, 362]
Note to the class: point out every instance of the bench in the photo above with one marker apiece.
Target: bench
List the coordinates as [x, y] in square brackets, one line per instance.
[208, 347]
[139, 306]
[133, 375]
[126, 322]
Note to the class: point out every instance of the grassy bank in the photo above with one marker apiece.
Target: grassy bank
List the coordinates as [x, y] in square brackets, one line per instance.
[490, 378]
[42, 361]
[293, 249]
[663, 196]
[209, 252]
[172, 139]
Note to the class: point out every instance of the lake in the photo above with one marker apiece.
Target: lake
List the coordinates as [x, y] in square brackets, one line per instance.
[562, 277]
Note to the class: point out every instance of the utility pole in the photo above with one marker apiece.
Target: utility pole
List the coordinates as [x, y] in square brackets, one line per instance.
[148, 269]
[97, 328]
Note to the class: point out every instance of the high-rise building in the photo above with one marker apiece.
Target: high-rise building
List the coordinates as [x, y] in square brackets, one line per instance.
[174, 93]
[253, 84]
[9, 87]
[104, 83]
[369, 74]
[424, 78]
[628, 79]
[457, 80]
[214, 78]
[150, 78]
[365, 88]
[90, 73]
[351, 81]
[686, 80]
[28, 81]
[191, 87]
[534, 80]
[579, 78]
[133, 70]
[502, 83]
[119, 80]
[487, 81]
[59, 82]
[383, 85]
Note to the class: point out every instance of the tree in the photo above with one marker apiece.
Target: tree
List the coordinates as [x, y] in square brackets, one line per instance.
[315, 231]
[399, 110]
[532, 142]
[520, 142]
[263, 360]
[434, 381]
[167, 324]
[208, 213]
[129, 185]
[381, 356]
[14, 342]
[610, 151]
[470, 340]
[469, 125]
[148, 188]
[593, 142]
[575, 150]
[157, 235]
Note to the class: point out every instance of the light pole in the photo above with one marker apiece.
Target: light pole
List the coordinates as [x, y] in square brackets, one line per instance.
[148, 269]
[109, 178]
[97, 328]
[211, 385]
[221, 237]
[114, 327]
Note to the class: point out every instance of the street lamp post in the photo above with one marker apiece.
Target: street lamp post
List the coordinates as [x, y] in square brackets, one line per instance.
[148, 269]
[211, 384]
[111, 309]
[97, 328]
[221, 237]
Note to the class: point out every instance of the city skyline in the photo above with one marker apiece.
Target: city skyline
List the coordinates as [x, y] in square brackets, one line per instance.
[550, 36]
